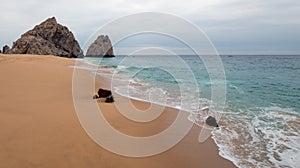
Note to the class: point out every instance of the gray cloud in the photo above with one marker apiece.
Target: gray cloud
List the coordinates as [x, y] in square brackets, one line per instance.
[234, 26]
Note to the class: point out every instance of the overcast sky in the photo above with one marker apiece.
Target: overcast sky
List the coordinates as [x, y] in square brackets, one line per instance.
[233, 26]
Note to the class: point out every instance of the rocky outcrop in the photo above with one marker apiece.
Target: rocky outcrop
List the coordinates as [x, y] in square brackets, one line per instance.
[5, 49]
[101, 47]
[48, 38]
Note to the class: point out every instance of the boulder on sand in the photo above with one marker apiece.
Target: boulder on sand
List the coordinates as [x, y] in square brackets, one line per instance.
[102, 93]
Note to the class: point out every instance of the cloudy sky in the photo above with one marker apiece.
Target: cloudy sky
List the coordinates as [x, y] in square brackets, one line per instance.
[233, 26]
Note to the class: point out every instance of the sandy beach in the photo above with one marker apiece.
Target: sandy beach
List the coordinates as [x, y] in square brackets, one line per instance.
[39, 126]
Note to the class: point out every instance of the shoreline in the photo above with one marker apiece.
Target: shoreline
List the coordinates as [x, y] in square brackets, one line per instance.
[40, 128]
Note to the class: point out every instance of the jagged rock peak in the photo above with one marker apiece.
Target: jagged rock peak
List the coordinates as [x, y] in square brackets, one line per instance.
[101, 47]
[52, 19]
[48, 38]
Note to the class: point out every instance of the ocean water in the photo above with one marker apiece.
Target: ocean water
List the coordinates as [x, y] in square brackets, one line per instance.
[260, 121]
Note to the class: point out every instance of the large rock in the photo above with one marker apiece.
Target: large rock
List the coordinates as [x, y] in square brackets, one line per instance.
[48, 38]
[101, 47]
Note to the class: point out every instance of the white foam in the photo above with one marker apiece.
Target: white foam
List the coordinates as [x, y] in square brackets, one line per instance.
[267, 136]
[118, 91]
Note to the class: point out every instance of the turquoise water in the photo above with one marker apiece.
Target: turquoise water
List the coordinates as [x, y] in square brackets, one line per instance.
[260, 121]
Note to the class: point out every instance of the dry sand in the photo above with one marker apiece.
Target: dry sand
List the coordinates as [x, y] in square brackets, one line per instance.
[39, 126]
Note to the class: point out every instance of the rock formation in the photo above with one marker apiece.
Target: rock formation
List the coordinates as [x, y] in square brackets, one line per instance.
[48, 38]
[5, 49]
[101, 47]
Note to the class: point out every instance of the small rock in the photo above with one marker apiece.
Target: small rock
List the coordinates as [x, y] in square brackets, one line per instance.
[211, 121]
[6, 49]
[109, 99]
[95, 97]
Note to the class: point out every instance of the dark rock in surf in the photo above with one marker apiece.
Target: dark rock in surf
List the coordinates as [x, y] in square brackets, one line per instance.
[211, 121]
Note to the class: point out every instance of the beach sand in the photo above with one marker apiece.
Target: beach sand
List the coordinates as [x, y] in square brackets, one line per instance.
[39, 126]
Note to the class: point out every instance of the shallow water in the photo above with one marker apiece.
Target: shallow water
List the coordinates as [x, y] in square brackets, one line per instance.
[260, 120]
